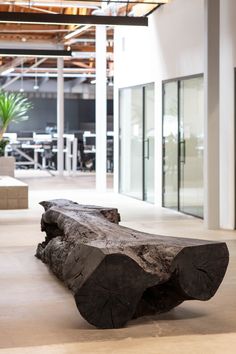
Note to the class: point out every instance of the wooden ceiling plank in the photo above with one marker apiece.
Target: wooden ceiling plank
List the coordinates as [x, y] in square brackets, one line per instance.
[80, 64]
[38, 9]
[55, 3]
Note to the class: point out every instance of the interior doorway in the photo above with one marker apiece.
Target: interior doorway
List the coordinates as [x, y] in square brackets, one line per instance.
[137, 142]
[183, 114]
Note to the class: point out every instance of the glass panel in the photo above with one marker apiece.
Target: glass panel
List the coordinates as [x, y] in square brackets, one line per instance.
[170, 146]
[191, 146]
[149, 143]
[131, 142]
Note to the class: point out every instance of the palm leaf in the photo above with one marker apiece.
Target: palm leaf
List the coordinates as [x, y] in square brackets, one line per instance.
[14, 107]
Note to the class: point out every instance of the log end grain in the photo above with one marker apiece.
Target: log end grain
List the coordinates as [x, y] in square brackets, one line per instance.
[109, 297]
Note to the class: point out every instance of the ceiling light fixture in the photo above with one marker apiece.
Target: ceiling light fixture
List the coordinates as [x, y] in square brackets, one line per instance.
[41, 53]
[62, 19]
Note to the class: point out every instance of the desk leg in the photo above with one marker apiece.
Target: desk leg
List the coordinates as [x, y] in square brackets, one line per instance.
[68, 156]
[44, 162]
[35, 159]
[75, 155]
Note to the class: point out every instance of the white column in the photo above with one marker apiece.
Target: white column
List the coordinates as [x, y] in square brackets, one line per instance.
[227, 114]
[211, 127]
[60, 116]
[101, 108]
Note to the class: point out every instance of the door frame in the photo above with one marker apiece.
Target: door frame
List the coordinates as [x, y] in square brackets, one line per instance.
[142, 87]
[178, 81]
[235, 147]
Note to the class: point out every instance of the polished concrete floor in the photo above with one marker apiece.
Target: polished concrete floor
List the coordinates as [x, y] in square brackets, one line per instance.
[38, 314]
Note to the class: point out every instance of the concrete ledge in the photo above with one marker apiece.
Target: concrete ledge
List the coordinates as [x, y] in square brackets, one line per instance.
[13, 193]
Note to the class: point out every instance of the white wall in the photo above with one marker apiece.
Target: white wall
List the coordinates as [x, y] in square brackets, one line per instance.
[227, 117]
[171, 46]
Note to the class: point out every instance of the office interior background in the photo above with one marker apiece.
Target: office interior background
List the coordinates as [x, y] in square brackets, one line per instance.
[158, 123]
[168, 129]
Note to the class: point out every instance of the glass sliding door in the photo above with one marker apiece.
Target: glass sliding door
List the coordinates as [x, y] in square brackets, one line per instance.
[191, 146]
[131, 142]
[183, 145]
[148, 146]
[170, 146]
[137, 142]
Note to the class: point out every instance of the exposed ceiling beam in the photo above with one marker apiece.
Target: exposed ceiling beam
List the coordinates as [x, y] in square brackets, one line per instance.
[62, 19]
[86, 55]
[81, 40]
[31, 44]
[22, 31]
[25, 71]
[12, 64]
[78, 4]
[37, 9]
[54, 70]
[80, 64]
[53, 3]
[45, 53]
[53, 75]
[77, 31]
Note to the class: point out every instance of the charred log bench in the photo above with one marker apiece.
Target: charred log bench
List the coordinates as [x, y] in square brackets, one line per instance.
[117, 273]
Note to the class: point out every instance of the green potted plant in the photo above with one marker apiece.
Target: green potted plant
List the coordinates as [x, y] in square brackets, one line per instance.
[14, 107]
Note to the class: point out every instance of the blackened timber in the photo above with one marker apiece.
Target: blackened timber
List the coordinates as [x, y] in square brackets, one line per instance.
[117, 273]
[62, 19]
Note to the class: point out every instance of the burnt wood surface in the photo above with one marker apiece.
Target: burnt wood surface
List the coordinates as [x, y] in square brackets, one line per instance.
[117, 273]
